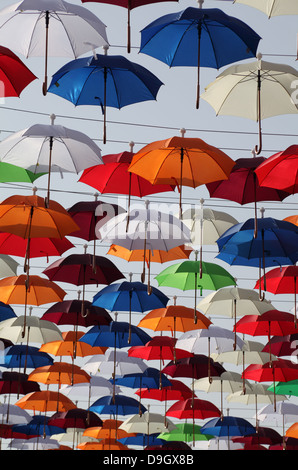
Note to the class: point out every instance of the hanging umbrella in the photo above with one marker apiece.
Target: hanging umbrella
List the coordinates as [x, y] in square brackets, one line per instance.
[285, 413]
[32, 291]
[174, 318]
[159, 347]
[194, 275]
[145, 229]
[275, 243]
[109, 366]
[273, 322]
[113, 177]
[6, 311]
[104, 444]
[148, 423]
[21, 355]
[36, 330]
[199, 37]
[45, 401]
[78, 269]
[263, 435]
[287, 388]
[76, 418]
[154, 256]
[53, 28]
[131, 297]
[141, 439]
[109, 429]
[35, 443]
[59, 373]
[103, 80]
[8, 266]
[280, 370]
[88, 214]
[14, 75]
[50, 148]
[245, 90]
[228, 426]
[181, 161]
[117, 405]
[282, 345]
[184, 432]
[233, 301]
[12, 414]
[243, 186]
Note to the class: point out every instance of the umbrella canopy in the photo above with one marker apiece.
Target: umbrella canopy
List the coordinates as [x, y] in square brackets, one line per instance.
[13, 173]
[70, 346]
[199, 37]
[104, 444]
[117, 405]
[282, 345]
[184, 432]
[154, 256]
[59, 373]
[21, 355]
[103, 80]
[130, 5]
[228, 426]
[159, 347]
[182, 161]
[35, 330]
[148, 423]
[116, 334]
[109, 429]
[45, 401]
[53, 28]
[245, 90]
[14, 74]
[50, 148]
[263, 435]
[272, 7]
[76, 418]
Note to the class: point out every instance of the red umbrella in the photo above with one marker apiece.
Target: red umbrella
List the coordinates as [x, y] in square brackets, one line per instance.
[290, 443]
[280, 370]
[75, 418]
[88, 214]
[283, 280]
[243, 187]
[129, 4]
[273, 322]
[282, 345]
[267, 436]
[193, 408]
[14, 75]
[11, 244]
[280, 171]
[113, 177]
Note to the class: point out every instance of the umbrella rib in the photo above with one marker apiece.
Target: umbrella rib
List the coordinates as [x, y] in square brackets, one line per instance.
[116, 89]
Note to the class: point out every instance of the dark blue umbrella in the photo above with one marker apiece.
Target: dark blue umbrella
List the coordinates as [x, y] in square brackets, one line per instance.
[21, 355]
[116, 405]
[142, 440]
[228, 426]
[129, 296]
[103, 80]
[276, 243]
[6, 311]
[38, 427]
[199, 37]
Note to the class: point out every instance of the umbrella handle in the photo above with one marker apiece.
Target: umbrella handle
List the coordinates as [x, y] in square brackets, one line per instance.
[258, 149]
[128, 26]
[45, 83]
[198, 68]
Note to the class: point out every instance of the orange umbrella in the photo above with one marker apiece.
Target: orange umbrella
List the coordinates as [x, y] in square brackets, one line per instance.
[108, 430]
[292, 431]
[157, 256]
[181, 161]
[45, 401]
[104, 444]
[59, 373]
[71, 346]
[293, 219]
[174, 318]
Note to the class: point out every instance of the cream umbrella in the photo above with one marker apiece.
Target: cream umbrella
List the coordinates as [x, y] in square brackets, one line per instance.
[272, 7]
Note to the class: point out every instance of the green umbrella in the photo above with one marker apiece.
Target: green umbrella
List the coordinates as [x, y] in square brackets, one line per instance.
[189, 275]
[11, 173]
[185, 432]
[285, 388]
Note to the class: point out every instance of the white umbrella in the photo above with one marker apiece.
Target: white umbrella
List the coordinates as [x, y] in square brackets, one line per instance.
[224, 444]
[143, 229]
[35, 331]
[34, 443]
[47, 148]
[285, 413]
[8, 266]
[148, 423]
[273, 7]
[104, 364]
[13, 414]
[232, 302]
[55, 28]
[246, 90]
[96, 387]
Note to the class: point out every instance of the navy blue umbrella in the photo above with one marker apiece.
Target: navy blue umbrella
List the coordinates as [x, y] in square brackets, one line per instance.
[6, 311]
[142, 440]
[116, 405]
[198, 37]
[276, 243]
[38, 426]
[22, 355]
[228, 426]
[103, 80]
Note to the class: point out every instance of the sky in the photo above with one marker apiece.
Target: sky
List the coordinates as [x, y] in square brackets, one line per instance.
[155, 120]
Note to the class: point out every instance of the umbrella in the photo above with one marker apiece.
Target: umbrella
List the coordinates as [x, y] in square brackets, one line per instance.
[50, 148]
[243, 186]
[104, 444]
[113, 177]
[78, 269]
[282, 345]
[59, 373]
[35, 443]
[272, 7]
[131, 297]
[6, 311]
[148, 423]
[104, 365]
[197, 408]
[117, 405]
[156, 256]
[33, 291]
[292, 431]
[54, 28]
[21, 355]
[159, 347]
[103, 80]
[8, 266]
[145, 229]
[233, 301]
[280, 171]
[130, 5]
[13, 173]
[272, 322]
[107, 430]
[37, 330]
[245, 90]
[193, 275]
[228, 426]
[287, 388]
[279, 370]
[174, 318]
[274, 244]
[285, 413]
[14, 75]
[141, 439]
[76, 418]
[88, 214]
[263, 435]
[45, 401]
[199, 37]
[36, 427]
[184, 432]
[181, 161]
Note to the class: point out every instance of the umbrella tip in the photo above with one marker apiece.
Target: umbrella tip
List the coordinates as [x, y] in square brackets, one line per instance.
[105, 48]
[52, 117]
[131, 145]
[259, 55]
[34, 189]
[200, 3]
[182, 131]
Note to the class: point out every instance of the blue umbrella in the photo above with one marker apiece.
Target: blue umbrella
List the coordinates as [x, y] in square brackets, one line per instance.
[38, 427]
[276, 243]
[6, 311]
[129, 296]
[21, 355]
[116, 405]
[228, 426]
[103, 80]
[199, 37]
[142, 440]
